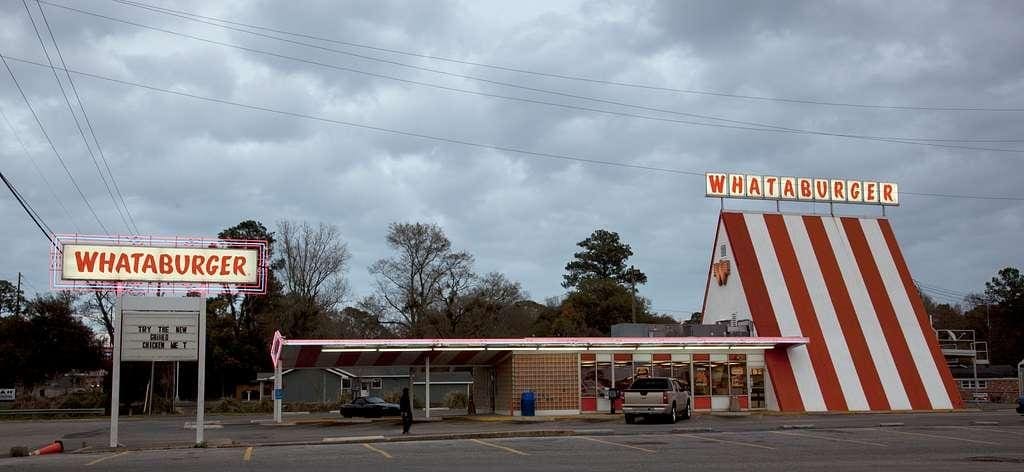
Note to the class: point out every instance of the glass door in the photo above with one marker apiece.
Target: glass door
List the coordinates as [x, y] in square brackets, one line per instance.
[757, 398]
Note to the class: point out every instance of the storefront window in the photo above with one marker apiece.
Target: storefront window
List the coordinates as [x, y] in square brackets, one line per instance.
[681, 372]
[663, 369]
[738, 378]
[623, 374]
[641, 369]
[719, 379]
[588, 379]
[604, 378]
[701, 378]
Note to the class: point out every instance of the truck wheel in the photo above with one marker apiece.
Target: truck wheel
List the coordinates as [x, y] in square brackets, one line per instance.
[687, 412]
[630, 419]
[672, 416]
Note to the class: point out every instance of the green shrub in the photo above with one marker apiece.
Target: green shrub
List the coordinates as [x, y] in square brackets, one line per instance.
[455, 399]
[392, 397]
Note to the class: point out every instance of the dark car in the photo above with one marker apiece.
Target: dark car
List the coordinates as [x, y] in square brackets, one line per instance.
[369, 407]
[1020, 404]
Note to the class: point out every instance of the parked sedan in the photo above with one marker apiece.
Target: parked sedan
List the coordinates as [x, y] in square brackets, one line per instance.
[369, 407]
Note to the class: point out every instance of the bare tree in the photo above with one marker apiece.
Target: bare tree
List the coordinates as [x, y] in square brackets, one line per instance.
[313, 262]
[410, 282]
[98, 309]
[457, 280]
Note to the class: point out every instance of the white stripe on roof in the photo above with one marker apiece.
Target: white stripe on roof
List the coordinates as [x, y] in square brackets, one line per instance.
[892, 385]
[909, 324]
[835, 341]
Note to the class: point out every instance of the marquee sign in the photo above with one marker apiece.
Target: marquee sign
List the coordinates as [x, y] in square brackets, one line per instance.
[806, 189]
[160, 336]
[150, 264]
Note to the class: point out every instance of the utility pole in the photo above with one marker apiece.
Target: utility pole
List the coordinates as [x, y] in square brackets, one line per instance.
[17, 297]
[632, 289]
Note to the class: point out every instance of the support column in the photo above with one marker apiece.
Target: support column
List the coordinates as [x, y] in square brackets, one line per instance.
[426, 388]
[201, 388]
[277, 388]
[115, 375]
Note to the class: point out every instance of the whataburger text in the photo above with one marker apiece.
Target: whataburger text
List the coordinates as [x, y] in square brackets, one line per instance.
[160, 264]
[801, 188]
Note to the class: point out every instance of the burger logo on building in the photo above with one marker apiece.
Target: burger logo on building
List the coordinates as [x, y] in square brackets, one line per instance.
[720, 270]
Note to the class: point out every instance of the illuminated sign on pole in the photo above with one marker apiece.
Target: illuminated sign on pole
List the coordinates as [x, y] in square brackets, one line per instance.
[159, 264]
[805, 189]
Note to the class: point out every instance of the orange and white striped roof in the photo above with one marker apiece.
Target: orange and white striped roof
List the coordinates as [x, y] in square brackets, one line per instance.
[843, 283]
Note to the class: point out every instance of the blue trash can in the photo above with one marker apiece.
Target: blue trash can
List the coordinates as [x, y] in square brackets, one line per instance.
[527, 403]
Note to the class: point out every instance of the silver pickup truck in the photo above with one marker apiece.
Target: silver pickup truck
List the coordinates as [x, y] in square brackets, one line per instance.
[656, 396]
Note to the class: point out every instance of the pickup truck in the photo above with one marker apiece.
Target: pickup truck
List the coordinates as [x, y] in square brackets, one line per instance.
[656, 396]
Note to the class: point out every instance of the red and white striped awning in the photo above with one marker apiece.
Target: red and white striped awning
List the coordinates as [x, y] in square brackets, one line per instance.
[303, 353]
[844, 284]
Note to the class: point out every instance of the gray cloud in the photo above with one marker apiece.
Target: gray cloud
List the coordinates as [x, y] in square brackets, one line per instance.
[191, 167]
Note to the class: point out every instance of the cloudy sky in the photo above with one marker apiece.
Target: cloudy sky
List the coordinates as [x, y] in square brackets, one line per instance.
[192, 167]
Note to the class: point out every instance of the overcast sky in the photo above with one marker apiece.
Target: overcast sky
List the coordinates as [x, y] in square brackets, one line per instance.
[188, 167]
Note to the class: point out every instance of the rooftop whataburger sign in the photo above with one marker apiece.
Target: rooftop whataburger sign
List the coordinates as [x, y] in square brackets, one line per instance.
[807, 189]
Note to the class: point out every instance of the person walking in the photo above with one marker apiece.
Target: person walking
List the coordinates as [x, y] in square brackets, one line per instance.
[405, 407]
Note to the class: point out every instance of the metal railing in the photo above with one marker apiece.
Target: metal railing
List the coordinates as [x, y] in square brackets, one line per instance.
[53, 411]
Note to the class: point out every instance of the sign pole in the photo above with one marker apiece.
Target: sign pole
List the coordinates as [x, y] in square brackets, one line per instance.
[201, 394]
[115, 376]
[278, 394]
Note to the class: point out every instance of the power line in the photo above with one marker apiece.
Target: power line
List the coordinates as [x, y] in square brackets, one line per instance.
[52, 146]
[24, 148]
[71, 109]
[537, 154]
[573, 77]
[88, 122]
[736, 124]
[29, 210]
[946, 291]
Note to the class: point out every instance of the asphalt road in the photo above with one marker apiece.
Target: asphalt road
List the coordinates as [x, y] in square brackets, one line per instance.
[933, 441]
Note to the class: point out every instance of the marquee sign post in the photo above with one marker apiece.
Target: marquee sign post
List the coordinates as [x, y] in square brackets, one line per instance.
[158, 328]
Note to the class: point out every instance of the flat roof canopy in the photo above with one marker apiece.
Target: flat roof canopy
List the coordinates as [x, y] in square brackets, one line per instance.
[305, 353]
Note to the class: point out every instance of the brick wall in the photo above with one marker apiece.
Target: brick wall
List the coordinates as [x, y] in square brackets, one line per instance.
[998, 390]
[553, 378]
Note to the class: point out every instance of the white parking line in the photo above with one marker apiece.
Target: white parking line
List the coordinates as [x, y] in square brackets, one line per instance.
[827, 438]
[375, 449]
[509, 449]
[738, 443]
[97, 461]
[938, 436]
[616, 444]
[1004, 431]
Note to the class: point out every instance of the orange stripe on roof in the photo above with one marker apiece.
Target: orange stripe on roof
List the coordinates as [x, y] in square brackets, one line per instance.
[922, 316]
[761, 311]
[853, 335]
[894, 337]
[806, 317]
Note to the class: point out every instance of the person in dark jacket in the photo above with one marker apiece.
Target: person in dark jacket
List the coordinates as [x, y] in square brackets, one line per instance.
[405, 407]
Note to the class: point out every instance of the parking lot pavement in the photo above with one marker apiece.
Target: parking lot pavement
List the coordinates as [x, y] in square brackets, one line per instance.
[981, 448]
